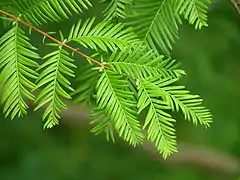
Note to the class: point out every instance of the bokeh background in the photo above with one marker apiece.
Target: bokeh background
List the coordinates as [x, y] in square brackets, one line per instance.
[70, 152]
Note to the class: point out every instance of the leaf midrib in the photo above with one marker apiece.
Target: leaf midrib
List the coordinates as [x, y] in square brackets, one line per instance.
[125, 116]
[154, 19]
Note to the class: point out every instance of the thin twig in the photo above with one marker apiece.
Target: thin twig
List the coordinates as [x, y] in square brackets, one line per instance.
[235, 4]
[54, 39]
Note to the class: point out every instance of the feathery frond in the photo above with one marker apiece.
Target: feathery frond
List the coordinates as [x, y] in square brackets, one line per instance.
[43, 11]
[17, 71]
[105, 35]
[180, 99]
[139, 62]
[52, 80]
[194, 10]
[160, 124]
[102, 124]
[114, 96]
[116, 8]
[156, 23]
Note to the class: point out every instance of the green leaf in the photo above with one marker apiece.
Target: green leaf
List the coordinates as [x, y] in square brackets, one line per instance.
[17, 71]
[102, 124]
[54, 84]
[156, 23]
[180, 99]
[159, 123]
[119, 103]
[104, 36]
[43, 11]
[116, 8]
[140, 63]
[194, 10]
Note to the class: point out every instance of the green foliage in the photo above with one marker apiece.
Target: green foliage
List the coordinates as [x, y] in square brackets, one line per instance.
[160, 123]
[141, 63]
[157, 21]
[102, 124]
[17, 71]
[180, 99]
[194, 10]
[43, 11]
[85, 91]
[104, 36]
[131, 76]
[116, 8]
[52, 80]
[119, 103]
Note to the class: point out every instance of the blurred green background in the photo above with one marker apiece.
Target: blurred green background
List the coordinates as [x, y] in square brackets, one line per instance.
[69, 152]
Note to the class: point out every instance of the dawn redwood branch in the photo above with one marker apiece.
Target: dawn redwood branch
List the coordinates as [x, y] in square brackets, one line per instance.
[189, 155]
[54, 39]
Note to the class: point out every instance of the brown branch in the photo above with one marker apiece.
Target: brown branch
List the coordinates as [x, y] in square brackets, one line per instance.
[235, 5]
[53, 39]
